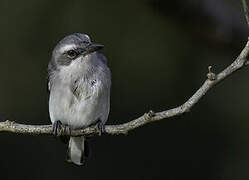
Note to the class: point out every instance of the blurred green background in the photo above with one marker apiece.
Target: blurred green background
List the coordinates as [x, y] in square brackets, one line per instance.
[158, 52]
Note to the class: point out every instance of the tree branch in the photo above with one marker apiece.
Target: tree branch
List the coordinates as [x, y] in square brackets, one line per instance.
[212, 79]
[246, 11]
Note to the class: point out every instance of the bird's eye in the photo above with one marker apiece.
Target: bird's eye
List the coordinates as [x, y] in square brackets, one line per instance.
[86, 42]
[72, 54]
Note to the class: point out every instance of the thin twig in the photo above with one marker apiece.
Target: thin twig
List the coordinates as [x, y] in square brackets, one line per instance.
[213, 79]
[246, 11]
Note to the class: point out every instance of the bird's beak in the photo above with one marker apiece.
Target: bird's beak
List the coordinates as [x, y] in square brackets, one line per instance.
[92, 48]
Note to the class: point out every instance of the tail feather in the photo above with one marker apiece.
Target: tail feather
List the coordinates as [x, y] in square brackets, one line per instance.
[76, 149]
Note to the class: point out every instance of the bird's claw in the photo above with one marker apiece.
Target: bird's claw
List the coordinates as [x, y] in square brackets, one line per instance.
[60, 129]
[100, 127]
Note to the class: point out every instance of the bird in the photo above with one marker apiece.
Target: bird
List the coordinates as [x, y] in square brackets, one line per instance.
[79, 83]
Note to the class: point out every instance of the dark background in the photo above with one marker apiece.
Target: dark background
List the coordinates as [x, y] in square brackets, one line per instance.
[158, 52]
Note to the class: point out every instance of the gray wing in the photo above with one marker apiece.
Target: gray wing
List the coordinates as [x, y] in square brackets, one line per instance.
[51, 70]
[48, 85]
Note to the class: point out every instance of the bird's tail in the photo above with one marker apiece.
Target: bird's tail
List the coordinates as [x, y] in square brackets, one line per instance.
[76, 150]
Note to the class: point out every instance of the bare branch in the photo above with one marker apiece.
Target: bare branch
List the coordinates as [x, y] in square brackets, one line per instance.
[213, 79]
[246, 11]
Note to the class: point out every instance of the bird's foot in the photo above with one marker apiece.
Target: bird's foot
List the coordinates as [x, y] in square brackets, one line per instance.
[60, 129]
[100, 127]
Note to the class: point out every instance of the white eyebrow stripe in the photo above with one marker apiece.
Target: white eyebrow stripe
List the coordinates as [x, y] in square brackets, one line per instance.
[67, 47]
[86, 36]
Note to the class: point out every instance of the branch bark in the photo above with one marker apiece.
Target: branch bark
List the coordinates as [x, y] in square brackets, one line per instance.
[212, 79]
[246, 11]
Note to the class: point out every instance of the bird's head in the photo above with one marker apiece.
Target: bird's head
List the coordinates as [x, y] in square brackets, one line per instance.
[72, 48]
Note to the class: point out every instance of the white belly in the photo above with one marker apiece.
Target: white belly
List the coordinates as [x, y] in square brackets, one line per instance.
[64, 106]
